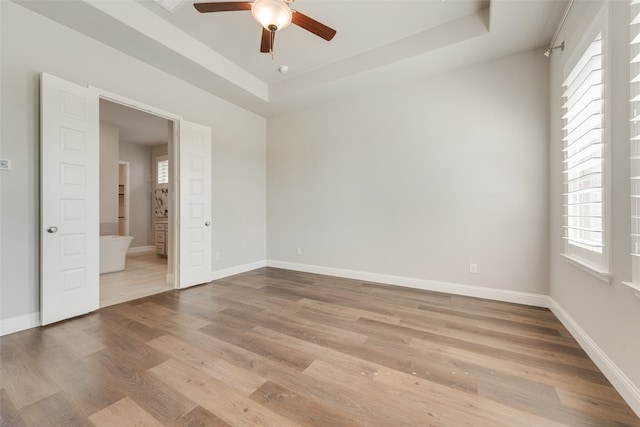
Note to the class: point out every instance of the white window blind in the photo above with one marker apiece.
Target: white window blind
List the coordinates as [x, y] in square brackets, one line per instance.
[634, 107]
[583, 163]
[163, 172]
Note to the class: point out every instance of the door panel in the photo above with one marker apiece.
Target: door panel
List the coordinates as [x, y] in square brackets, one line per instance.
[69, 263]
[195, 204]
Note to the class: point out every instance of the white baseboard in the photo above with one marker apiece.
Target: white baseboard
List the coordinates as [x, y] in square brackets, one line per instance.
[19, 323]
[537, 300]
[141, 249]
[231, 271]
[627, 389]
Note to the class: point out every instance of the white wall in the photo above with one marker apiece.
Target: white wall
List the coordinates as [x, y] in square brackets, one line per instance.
[421, 179]
[31, 44]
[140, 226]
[109, 150]
[607, 314]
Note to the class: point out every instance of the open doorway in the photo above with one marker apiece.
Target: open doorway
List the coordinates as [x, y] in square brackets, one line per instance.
[70, 252]
[135, 195]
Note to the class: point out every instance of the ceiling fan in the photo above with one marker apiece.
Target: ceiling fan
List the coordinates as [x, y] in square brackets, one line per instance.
[273, 15]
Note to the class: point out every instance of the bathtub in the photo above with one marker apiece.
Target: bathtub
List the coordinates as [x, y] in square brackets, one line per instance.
[113, 250]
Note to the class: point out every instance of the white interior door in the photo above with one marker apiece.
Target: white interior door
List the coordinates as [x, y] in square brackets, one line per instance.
[194, 152]
[70, 197]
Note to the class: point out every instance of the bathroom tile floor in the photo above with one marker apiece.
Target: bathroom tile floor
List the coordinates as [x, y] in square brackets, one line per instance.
[144, 275]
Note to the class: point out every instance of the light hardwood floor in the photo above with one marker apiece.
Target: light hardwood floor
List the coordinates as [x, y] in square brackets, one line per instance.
[144, 275]
[279, 348]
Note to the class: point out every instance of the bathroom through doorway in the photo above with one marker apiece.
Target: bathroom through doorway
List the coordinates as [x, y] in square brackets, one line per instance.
[134, 201]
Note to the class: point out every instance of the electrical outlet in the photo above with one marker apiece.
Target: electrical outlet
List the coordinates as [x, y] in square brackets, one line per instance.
[299, 251]
[217, 256]
[473, 268]
[5, 165]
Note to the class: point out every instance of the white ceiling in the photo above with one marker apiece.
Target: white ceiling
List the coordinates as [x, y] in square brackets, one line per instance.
[377, 42]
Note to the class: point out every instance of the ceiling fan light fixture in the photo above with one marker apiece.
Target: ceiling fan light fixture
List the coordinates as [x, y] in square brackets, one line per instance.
[273, 15]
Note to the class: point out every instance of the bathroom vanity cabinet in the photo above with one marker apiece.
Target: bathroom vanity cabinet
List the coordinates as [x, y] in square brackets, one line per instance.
[161, 230]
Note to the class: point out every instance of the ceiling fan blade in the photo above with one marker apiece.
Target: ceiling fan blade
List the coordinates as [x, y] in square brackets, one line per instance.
[313, 26]
[265, 43]
[222, 6]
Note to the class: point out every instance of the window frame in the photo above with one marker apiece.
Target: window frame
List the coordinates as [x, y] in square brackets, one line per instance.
[598, 265]
[634, 154]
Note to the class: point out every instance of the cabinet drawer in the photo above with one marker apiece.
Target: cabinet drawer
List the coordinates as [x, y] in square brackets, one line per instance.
[160, 250]
[160, 236]
[161, 227]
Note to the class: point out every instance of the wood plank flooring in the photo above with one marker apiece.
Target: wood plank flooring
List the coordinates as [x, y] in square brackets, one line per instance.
[279, 348]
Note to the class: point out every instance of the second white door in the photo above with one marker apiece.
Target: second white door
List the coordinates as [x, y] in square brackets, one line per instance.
[194, 152]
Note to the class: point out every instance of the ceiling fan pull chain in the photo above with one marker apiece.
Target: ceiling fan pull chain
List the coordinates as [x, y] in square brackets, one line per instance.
[271, 40]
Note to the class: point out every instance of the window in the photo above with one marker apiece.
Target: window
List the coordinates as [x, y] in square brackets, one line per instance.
[634, 112]
[162, 175]
[583, 157]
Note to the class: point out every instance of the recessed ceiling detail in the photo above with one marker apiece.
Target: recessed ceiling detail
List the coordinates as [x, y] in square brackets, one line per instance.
[378, 42]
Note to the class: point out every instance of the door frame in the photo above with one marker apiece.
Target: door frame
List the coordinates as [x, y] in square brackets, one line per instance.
[174, 119]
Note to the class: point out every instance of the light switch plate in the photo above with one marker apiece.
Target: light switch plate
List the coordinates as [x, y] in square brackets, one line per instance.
[5, 165]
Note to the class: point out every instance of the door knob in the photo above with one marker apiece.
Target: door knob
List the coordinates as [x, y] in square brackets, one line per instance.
[207, 223]
[52, 229]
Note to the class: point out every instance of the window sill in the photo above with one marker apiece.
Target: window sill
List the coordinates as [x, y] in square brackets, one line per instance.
[634, 286]
[595, 271]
